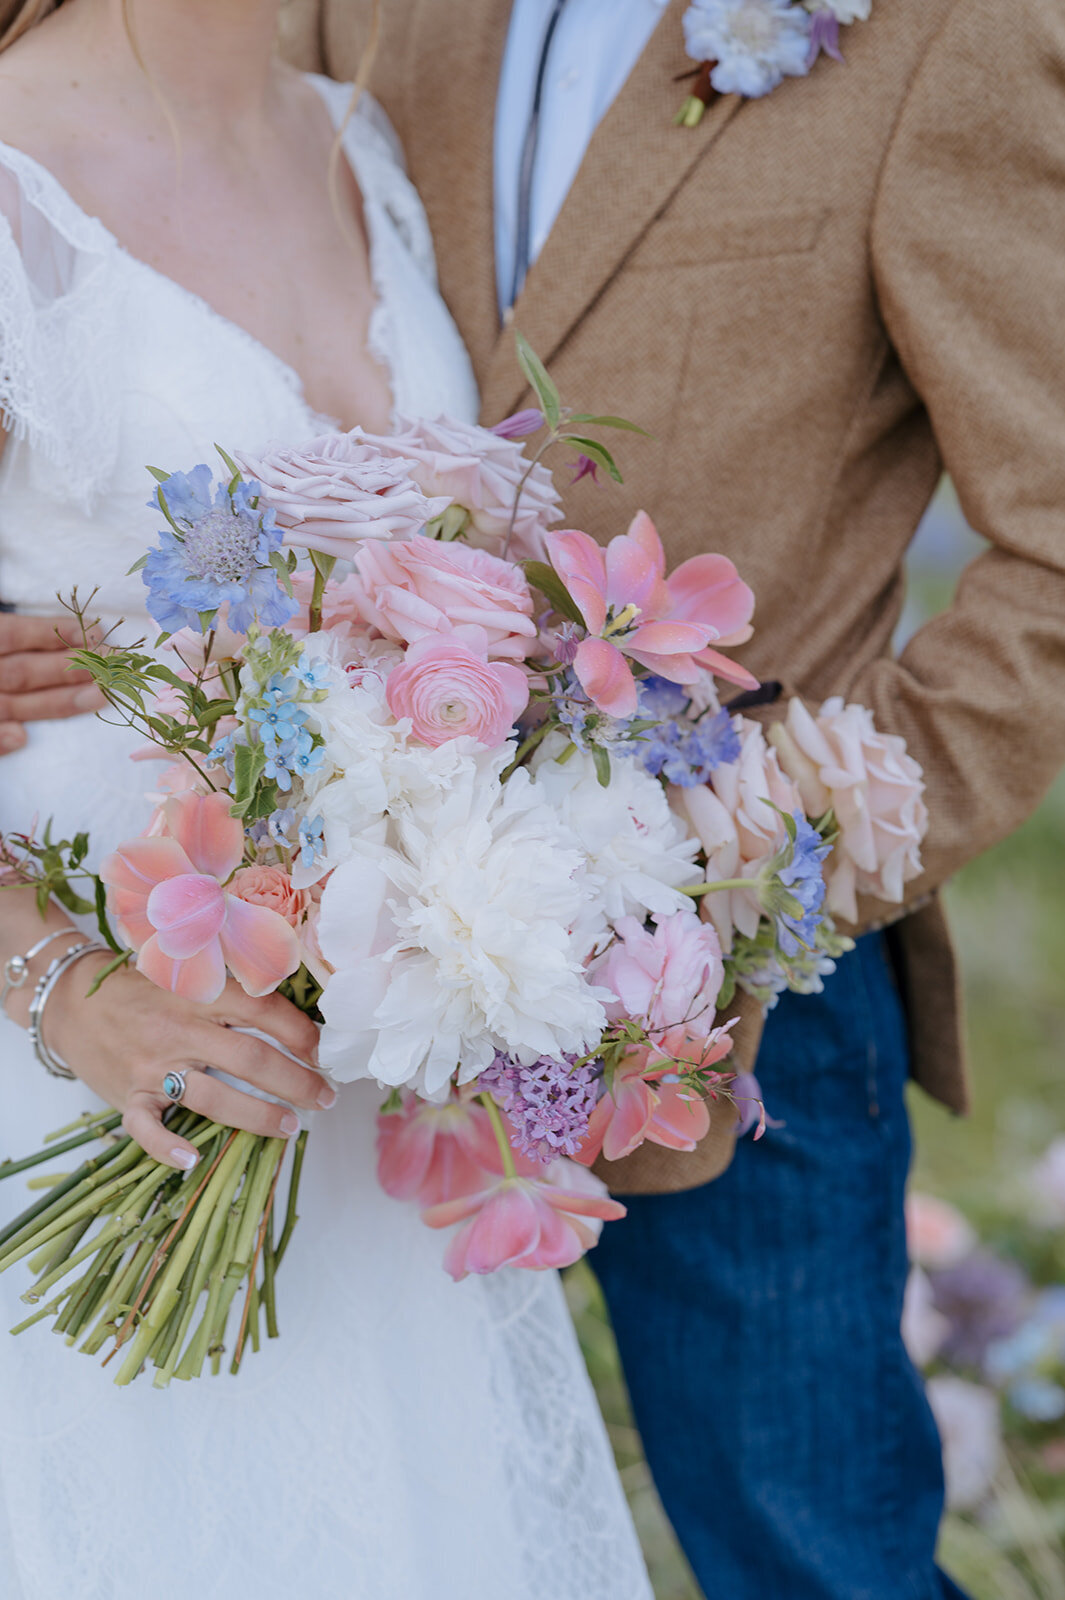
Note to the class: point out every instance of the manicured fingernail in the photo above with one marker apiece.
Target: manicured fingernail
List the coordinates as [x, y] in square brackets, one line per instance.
[290, 1124]
[185, 1159]
[11, 738]
[326, 1097]
[89, 698]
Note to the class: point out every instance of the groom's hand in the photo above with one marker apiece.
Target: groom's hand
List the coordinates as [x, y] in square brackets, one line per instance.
[37, 682]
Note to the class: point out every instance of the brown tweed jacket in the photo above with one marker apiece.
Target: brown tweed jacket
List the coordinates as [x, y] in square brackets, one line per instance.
[815, 302]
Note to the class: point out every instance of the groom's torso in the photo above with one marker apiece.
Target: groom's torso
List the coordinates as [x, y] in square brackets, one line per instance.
[718, 286]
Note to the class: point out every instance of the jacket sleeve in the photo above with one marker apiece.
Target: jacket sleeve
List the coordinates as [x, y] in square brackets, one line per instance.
[968, 252]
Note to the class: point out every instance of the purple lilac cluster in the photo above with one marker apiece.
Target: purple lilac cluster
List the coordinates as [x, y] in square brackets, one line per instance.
[548, 1103]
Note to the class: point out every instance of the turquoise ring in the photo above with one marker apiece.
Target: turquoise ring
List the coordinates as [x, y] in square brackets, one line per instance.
[174, 1087]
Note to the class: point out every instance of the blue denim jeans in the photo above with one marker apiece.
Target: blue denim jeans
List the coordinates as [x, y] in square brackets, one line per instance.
[758, 1324]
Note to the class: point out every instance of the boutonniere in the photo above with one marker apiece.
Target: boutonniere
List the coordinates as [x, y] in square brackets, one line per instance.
[747, 47]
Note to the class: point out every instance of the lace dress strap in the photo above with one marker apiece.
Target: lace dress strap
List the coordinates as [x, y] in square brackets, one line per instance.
[59, 345]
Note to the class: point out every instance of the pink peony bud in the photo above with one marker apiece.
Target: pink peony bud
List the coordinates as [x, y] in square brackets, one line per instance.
[448, 688]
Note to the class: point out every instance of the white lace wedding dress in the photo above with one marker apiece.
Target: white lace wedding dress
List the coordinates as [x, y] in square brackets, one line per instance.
[407, 1438]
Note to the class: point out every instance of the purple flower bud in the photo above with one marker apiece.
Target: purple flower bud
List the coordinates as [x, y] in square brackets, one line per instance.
[520, 425]
[584, 467]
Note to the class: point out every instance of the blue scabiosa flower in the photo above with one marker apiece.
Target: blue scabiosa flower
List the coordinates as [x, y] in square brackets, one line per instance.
[216, 551]
[791, 886]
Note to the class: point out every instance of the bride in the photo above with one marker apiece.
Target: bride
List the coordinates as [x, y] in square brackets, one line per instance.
[175, 269]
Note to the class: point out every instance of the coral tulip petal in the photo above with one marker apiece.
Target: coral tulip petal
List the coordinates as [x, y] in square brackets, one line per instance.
[681, 1119]
[507, 1229]
[675, 669]
[403, 1154]
[200, 978]
[584, 1205]
[635, 1104]
[606, 677]
[259, 946]
[212, 839]
[139, 865]
[722, 667]
[708, 589]
[187, 913]
[670, 638]
[581, 565]
[631, 576]
[642, 531]
[560, 1243]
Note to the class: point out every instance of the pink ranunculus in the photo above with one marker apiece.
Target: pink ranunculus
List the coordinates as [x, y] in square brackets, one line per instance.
[166, 891]
[436, 1153]
[337, 490]
[737, 829]
[937, 1235]
[448, 687]
[631, 610]
[423, 586]
[266, 885]
[480, 471]
[666, 980]
[876, 790]
[535, 1223]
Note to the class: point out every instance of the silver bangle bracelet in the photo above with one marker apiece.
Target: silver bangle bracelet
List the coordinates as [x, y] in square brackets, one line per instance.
[17, 968]
[45, 984]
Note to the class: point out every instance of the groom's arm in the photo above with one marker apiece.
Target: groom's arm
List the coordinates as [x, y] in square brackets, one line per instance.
[969, 256]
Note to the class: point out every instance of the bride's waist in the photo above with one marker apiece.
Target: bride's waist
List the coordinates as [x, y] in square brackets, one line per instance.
[77, 774]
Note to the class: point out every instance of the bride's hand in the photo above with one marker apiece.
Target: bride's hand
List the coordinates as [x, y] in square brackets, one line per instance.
[124, 1039]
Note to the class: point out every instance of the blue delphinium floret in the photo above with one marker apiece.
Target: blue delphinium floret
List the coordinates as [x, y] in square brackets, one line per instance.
[791, 886]
[686, 753]
[312, 840]
[216, 551]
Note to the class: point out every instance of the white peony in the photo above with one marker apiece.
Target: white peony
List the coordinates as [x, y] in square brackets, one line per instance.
[754, 43]
[847, 11]
[638, 852]
[456, 943]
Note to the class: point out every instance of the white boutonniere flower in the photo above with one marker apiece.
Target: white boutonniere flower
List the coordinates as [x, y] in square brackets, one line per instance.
[748, 47]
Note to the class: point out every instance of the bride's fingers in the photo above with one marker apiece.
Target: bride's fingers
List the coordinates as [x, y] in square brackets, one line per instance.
[234, 1109]
[272, 1014]
[143, 1121]
[259, 1063]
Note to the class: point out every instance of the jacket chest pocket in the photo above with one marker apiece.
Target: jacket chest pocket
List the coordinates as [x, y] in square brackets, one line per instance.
[696, 239]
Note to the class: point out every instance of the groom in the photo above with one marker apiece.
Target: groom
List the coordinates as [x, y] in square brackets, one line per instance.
[815, 301]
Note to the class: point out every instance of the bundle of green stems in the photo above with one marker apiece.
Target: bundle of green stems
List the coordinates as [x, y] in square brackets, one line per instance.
[156, 1263]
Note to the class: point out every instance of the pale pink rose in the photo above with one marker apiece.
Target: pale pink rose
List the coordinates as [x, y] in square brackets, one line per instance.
[737, 829]
[937, 1235]
[666, 980]
[448, 687]
[339, 489]
[410, 590]
[479, 471]
[270, 886]
[876, 790]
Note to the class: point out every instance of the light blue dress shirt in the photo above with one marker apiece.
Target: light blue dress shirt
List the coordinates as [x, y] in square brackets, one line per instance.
[596, 44]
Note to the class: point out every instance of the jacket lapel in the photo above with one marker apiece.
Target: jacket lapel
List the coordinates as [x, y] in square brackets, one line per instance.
[634, 164]
[457, 56]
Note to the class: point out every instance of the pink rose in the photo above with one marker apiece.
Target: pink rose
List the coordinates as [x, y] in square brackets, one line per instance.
[339, 489]
[423, 586]
[876, 790]
[448, 688]
[736, 828]
[669, 979]
[271, 887]
[479, 471]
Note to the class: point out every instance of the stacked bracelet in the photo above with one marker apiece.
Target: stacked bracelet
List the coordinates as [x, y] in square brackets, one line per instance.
[17, 968]
[45, 984]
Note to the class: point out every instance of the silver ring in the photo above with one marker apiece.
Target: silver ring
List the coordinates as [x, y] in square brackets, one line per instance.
[174, 1087]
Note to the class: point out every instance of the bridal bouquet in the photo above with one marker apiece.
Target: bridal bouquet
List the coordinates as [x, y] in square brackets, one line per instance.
[463, 788]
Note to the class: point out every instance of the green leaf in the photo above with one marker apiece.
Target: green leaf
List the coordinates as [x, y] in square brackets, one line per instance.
[79, 849]
[550, 585]
[601, 758]
[101, 917]
[281, 567]
[213, 711]
[322, 564]
[165, 509]
[611, 422]
[73, 902]
[159, 475]
[248, 763]
[231, 467]
[540, 379]
[727, 993]
[105, 971]
[137, 565]
[597, 452]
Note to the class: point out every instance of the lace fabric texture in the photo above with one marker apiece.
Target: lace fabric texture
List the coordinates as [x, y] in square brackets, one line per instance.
[407, 1438]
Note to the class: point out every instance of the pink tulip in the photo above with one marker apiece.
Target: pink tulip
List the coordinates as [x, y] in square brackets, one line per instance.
[632, 610]
[639, 1108]
[438, 1153]
[525, 1222]
[166, 892]
[448, 688]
